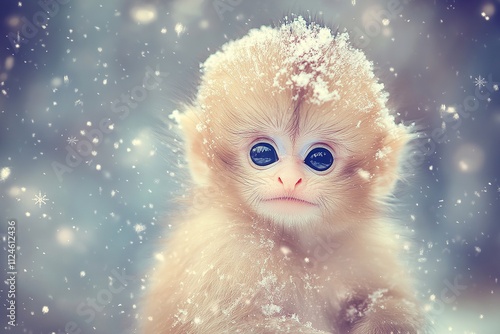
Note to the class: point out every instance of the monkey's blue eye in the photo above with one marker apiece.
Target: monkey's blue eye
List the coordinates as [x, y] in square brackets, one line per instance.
[319, 159]
[263, 154]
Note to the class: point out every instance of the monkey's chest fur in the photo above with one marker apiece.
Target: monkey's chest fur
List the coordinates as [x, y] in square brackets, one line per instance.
[216, 269]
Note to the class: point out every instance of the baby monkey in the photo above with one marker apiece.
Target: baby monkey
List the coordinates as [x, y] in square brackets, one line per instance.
[292, 145]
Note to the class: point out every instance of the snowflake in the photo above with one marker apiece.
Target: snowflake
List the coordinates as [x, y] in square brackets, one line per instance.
[39, 199]
[480, 82]
[72, 140]
[4, 173]
[139, 227]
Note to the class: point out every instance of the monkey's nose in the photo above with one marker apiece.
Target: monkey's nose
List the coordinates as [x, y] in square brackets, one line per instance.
[289, 181]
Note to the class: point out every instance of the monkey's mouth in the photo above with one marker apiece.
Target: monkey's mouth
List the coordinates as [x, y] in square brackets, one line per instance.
[289, 199]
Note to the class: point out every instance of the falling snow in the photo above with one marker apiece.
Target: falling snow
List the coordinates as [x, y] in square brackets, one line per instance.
[4, 173]
[40, 199]
[72, 140]
[480, 82]
[139, 227]
[179, 29]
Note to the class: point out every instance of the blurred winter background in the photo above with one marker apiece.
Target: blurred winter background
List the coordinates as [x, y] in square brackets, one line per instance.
[82, 171]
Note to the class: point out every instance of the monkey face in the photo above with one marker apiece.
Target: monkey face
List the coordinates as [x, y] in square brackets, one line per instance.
[298, 178]
[288, 172]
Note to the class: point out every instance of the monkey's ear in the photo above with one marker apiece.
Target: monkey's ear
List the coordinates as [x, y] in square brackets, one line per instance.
[391, 155]
[196, 155]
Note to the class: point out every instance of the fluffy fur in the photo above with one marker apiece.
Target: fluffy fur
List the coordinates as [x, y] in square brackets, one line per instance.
[243, 264]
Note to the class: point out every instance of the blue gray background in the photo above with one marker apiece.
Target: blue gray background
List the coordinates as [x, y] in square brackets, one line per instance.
[80, 73]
